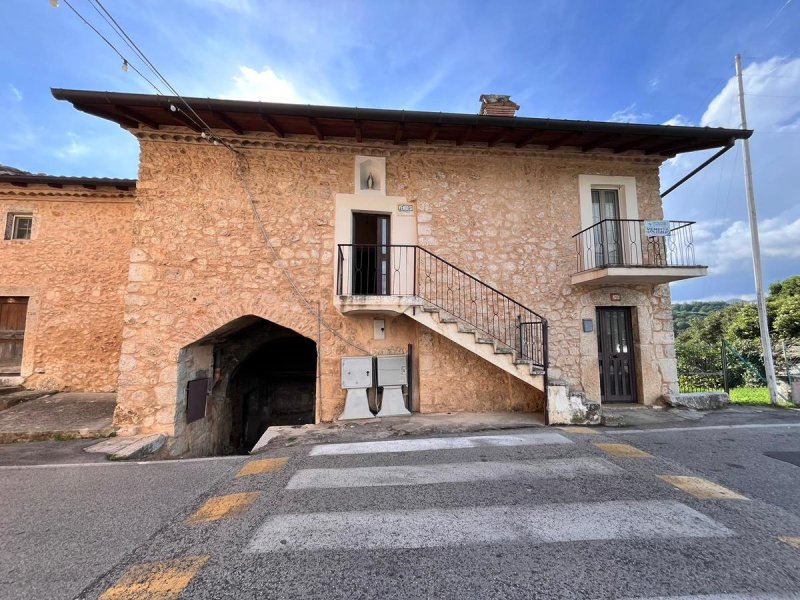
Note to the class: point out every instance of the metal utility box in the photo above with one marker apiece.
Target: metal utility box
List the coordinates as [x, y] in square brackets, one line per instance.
[356, 372]
[392, 370]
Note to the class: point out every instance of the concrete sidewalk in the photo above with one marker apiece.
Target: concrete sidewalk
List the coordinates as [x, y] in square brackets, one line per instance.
[377, 429]
[62, 416]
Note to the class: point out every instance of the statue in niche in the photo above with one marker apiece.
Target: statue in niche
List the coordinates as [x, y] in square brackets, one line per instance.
[370, 182]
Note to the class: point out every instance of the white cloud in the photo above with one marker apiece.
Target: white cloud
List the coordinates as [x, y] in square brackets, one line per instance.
[266, 86]
[629, 115]
[771, 89]
[16, 92]
[725, 248]
[74, 149]
[654, 83]
[722, 298]
[678, 120]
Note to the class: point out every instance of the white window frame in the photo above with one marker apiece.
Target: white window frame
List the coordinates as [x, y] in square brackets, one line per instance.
[626, 186]
[12, 226]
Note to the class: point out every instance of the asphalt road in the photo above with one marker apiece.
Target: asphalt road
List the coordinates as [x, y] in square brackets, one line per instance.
[532, 513]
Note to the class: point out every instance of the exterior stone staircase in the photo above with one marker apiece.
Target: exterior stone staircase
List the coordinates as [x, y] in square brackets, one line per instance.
[479, 343]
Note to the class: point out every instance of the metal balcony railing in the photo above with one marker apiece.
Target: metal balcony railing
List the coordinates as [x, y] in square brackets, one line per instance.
[405, 270]
[624, 243]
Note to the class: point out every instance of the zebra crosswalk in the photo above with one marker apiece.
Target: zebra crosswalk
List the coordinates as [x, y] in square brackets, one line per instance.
[570, 520]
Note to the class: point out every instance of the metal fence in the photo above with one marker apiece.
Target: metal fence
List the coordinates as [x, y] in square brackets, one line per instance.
[706, 367]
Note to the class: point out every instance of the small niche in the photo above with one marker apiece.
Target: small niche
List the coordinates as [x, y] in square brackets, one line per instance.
[370, 175]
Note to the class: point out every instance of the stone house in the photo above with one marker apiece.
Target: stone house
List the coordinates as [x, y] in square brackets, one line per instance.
[517, 264]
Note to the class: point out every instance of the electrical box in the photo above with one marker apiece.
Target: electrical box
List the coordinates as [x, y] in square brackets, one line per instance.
[378, 329]
[356, 372]
[392, 370]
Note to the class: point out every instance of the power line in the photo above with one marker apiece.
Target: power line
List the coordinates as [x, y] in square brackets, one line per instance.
[208, 133]
[125, 61]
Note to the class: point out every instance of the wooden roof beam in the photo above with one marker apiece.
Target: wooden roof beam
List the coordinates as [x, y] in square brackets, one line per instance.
[136, 116]
[604, 139]
[316, 128]
[229, 121]
[670, 148]
[499, 138]
[562, 140]
[182, 119]
[464, 135]
[631, 145]
[273, 126]
[122, 120]
[527, 139]
[432, 134]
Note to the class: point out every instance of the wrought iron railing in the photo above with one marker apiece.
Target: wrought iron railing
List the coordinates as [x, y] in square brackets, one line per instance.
[625, 243]
[404, 270]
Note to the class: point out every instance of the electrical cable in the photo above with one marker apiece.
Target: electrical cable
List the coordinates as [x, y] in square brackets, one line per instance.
[112, 46]
[208, 133]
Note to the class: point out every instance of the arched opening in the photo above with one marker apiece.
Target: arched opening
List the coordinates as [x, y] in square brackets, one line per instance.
[274, 385]
[240, 379]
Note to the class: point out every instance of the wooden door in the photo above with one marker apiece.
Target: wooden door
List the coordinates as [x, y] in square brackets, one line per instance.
[12, 333]
[615, 350]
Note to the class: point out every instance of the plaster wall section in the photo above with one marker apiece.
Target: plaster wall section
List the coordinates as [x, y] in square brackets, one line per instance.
[73, 271]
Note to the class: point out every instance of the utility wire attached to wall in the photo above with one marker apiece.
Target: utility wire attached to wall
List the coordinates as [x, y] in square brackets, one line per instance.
[242, 167]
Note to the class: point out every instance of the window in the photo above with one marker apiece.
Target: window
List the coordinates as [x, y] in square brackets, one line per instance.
[19, 226]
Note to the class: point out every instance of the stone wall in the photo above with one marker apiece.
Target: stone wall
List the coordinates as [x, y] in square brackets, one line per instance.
[199, 261]
[74, 272]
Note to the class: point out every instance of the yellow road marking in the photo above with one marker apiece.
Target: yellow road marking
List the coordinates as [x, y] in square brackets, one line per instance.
[156, 581]
[579, 430]
[624, 450]
[792, 541]
[701, 488]
[266, 465]
[223, 506]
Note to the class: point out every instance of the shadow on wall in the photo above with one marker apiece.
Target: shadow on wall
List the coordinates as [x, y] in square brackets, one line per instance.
[275, 385]
[259, 374]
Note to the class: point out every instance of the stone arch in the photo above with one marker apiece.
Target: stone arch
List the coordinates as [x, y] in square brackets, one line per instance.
[255, 373]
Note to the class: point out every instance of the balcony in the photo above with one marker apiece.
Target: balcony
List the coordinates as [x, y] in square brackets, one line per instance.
[616, 251]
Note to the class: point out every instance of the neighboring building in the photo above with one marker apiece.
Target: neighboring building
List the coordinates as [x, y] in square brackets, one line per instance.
[63, 275]
[491, 246]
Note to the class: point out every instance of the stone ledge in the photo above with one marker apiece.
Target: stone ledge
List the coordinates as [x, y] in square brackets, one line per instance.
[698, 400]
[565, 407]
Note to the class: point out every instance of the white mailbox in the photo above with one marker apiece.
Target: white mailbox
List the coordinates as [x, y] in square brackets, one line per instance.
[392, 370]
[356, 372]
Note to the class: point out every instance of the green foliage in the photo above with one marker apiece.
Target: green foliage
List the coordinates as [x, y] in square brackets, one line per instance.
[750, 395]
[686, 313]
[697, 344]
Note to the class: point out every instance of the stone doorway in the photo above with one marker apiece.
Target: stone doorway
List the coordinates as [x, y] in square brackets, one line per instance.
[251, 374]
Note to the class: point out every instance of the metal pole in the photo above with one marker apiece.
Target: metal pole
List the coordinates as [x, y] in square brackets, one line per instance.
[725, 386]
[766, 345]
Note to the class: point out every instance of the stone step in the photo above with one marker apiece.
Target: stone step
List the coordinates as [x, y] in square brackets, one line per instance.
[464, 328]
[10, 389]
[445, 318]
[430, 309]
[503, 350]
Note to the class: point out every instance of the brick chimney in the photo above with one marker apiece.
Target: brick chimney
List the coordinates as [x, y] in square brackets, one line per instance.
[498, 105]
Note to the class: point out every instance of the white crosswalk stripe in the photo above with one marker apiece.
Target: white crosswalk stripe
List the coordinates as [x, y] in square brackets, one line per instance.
[566, 468]
[450, 443]
[726, 597]
[444, 527]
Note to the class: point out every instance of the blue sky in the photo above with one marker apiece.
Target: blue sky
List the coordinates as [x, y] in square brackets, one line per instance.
[637, 61]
